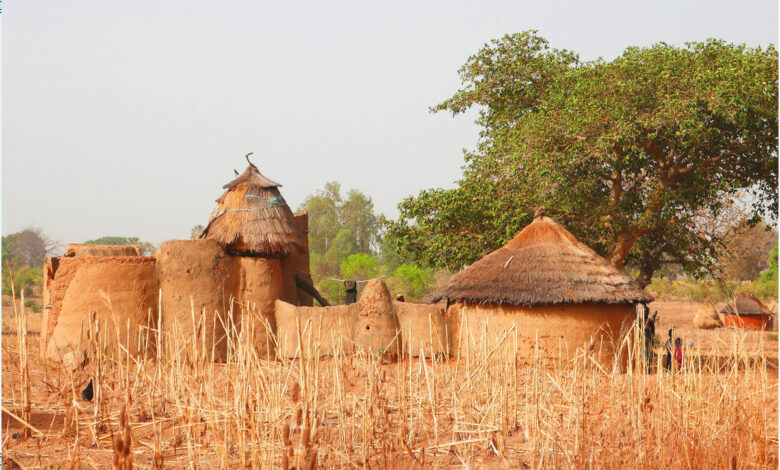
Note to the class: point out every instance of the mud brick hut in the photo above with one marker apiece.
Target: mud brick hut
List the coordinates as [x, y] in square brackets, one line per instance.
[747, 312]
[544, 283]
[253, 252]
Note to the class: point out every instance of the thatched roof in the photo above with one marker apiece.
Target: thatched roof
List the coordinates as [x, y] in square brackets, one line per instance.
[747, 304]
[253, 219]
[544, 264]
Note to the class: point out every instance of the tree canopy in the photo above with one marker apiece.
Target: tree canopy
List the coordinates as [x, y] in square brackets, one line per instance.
[625, 153]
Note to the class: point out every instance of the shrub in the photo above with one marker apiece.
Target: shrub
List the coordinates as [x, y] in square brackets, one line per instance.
[27, 280]
[33, 305]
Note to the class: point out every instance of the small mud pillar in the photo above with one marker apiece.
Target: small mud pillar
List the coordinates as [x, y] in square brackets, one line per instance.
[376, 328]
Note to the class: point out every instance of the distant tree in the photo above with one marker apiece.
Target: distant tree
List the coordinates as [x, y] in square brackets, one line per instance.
[339, 228]
[195, 231]
[745, 250]
[359, 266]
[147, 248]
[23, 256]
[622, 152]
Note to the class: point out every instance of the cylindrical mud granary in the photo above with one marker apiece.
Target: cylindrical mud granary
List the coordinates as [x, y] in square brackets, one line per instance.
[198, 285]
[120, 291]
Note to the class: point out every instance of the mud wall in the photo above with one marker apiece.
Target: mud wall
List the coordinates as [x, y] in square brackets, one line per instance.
[561, 329]
[297, 263]
[197, 280]
[121, 291]
[423, 328]
[747, 322]
[323, 329]
[261, 284]
[78, 249]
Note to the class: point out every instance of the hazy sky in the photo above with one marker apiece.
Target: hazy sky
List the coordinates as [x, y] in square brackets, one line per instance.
[127, 117]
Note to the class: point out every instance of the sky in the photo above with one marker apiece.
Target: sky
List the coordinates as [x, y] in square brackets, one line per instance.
[127, 118]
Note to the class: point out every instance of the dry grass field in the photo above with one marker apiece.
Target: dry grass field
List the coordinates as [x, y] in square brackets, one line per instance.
[361, 411]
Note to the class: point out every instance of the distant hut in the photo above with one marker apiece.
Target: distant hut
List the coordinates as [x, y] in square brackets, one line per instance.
[547, 285]
[253, 219]
[747, 312]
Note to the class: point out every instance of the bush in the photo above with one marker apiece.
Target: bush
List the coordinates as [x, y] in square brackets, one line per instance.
[27, 280]
[33, 305]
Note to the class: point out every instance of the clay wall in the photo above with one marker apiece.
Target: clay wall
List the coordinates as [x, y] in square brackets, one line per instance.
[324, 329]
[562, 329]
[121, 291]
[197, 278]
[297, 263]
[423, 328]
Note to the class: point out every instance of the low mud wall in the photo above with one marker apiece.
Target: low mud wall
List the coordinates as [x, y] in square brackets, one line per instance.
[323, 330]
[423, 329]
[374, 323]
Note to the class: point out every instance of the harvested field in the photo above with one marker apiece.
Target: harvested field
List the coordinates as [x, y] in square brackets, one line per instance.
[486, 411]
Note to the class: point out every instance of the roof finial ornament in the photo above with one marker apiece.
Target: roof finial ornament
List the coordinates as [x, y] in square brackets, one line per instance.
[247, 159]
[539, 212]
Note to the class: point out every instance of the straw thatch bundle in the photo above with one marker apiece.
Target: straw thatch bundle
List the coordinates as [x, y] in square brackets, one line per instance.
[707, 318]
[544, 264]
[252, 218]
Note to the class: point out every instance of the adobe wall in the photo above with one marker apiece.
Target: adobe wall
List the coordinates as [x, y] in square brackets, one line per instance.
[423, 327]
[197, 276]
[119, 290]
[372, 323]
[326, 329]
[747, 322]
[297, 263]
[81, 249]
[261, 284]
[562, 329]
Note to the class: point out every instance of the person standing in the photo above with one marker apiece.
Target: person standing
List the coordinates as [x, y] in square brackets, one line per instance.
[669, 346]
[678, 352]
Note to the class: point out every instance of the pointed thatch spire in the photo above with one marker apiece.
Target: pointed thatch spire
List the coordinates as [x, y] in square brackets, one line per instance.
[253, 219]
[543, 265]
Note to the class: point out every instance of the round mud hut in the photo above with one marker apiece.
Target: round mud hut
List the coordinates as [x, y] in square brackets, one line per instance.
[747, 312]
[544, 289]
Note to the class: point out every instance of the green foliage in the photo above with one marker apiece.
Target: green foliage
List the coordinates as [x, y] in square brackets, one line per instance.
[771, 273]
[147, 248]
[359, 266]
[23, 256]
[623, 153]
[771, 336]
[195, 231]
[33, 305]
[411, 281]
[26, 279]
[708, 290]
[339, 229]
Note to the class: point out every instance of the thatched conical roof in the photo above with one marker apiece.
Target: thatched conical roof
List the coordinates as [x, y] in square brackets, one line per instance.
[543, 265]
[746, 304]
[253, 219]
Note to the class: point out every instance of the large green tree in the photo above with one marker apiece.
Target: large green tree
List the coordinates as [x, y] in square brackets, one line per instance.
[625, 153]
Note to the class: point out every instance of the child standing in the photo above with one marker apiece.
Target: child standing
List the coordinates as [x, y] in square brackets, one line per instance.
[678, 352]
